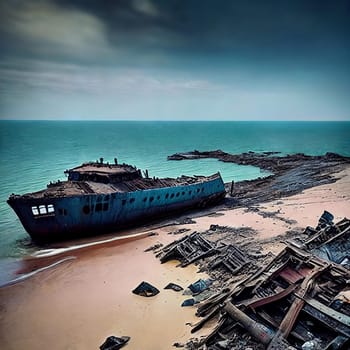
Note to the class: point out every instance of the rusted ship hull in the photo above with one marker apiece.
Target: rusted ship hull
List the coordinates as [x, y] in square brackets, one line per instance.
[48, 218]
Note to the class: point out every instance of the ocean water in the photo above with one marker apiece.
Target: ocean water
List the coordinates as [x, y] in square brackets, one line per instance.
[33, 153]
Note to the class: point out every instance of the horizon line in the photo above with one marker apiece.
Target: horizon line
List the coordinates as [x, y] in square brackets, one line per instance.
[175, 120]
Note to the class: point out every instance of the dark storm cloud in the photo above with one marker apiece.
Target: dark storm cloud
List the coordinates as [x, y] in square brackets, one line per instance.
[185, 30]
[241, 28]
[270, 54]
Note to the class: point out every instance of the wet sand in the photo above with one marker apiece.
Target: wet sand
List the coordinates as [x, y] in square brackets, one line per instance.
[78, 303]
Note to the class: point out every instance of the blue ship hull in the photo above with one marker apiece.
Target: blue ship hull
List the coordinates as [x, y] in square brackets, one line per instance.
[71, 216]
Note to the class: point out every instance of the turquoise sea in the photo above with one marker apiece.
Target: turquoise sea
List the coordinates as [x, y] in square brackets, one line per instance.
[33, 153]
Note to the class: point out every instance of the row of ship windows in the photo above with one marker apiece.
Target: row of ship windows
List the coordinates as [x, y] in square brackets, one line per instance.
[43, 209]
[49, 209]
[151, 199]
[87, 209]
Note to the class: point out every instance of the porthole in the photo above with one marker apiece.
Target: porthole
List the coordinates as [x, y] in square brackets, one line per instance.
[167, 196]
[183, 193]
[132, 200]
[151, 199]
[177, 194]
[145, 199]
[190, 192]
[172, 195]
[86, 209]
[123, 201]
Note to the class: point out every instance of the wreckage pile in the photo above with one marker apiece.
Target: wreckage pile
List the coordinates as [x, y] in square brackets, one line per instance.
[330, 241]
[298, 300]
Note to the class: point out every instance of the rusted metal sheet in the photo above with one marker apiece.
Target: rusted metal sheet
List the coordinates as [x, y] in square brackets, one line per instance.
[293, 276]
[292, 314]
[271, 298]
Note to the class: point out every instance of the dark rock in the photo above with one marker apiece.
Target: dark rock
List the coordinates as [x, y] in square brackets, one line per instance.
[198, 286]
[178, 345]
[154, 247]
[114, 343]
[185, 221]
[146, 290]
[153, 234]
[188, 302]
[174, 287]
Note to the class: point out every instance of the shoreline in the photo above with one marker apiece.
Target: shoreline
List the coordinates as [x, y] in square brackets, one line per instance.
[80, 302]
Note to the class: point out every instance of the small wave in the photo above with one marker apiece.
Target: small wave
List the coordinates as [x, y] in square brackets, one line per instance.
[32, 273]
[55, 251]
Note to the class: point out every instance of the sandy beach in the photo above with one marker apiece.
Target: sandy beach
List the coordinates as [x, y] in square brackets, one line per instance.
[81, 301]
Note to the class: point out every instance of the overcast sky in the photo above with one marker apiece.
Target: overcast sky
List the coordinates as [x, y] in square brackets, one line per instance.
[175, 59]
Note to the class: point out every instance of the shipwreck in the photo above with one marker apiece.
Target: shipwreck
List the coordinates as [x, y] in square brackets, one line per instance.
[101, 197]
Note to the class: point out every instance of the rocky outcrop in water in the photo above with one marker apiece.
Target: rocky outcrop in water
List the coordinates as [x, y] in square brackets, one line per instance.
[291, 174]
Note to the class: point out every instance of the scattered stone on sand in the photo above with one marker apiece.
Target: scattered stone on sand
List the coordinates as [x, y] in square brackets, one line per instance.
[153, 234]
[179, 345]
[179, 231]
[114, 343]
[199, 286]
[215, 214]
[188, 302]
[174, 287]
[154, 247]
[184, 221]
[146, 290]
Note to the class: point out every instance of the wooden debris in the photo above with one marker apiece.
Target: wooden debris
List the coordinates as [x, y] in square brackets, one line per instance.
[231, 258]
[188, 249]
[292, 300]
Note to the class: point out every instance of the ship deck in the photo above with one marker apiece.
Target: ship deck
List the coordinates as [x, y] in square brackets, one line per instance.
[72, 188]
